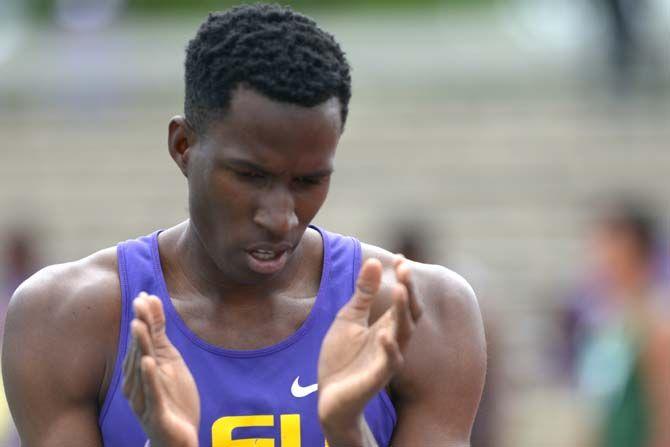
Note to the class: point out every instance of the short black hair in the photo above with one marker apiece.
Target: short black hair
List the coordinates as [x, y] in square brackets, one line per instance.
[270, 48]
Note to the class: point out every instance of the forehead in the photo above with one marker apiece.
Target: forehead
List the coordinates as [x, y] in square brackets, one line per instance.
[276, 133]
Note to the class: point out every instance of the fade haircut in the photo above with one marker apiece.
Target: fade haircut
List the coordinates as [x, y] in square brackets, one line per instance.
[269, 48]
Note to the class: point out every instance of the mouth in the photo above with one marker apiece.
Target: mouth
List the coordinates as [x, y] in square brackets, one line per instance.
[267, 261]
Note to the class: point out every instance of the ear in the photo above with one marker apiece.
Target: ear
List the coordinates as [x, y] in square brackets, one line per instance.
[181, 139]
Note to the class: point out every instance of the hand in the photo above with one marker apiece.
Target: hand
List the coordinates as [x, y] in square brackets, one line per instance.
[358, 360]
[157, 382]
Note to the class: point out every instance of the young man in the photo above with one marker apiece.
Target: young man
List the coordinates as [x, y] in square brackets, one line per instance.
[224, 347]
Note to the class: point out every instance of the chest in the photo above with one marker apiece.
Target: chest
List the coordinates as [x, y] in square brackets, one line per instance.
[266, 397]
[255, 326]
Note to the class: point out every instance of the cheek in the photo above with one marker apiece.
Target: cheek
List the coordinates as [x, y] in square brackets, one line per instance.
[221, 198]
[232, 200]
[308, 204]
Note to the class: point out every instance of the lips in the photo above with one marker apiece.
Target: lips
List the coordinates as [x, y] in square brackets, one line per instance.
[268, 259]
[265, 255]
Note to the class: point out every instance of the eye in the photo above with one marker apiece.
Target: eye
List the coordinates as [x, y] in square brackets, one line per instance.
[309, 181]
[250, 175]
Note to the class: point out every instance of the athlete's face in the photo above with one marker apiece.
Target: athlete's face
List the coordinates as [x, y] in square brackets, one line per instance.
[257, 179]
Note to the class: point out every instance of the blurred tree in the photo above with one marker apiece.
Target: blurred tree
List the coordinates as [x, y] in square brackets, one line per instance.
[165, 5]
[44, 8]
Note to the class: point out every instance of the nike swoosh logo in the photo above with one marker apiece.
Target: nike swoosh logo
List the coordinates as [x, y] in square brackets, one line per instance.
[302, 391]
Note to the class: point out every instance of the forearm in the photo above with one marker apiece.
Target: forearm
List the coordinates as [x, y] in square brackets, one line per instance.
[657, 375]
[660, 430]
[659, 394]
[357, 435]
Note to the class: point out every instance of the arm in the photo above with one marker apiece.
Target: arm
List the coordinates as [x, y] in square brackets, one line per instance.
[358, 358]
[435, 363]
[656, 369]
[54, 357]
[438, 391]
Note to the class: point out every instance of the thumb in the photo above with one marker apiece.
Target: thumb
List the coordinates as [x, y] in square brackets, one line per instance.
[367, 286]
[157, 317]
[149, 308]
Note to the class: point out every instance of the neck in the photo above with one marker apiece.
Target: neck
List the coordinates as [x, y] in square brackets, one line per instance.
[196, 272]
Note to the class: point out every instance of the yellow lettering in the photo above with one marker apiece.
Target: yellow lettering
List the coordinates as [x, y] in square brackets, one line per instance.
[222, 431]
[290, 430]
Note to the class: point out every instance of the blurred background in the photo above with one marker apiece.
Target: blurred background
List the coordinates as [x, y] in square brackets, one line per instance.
[522, 143]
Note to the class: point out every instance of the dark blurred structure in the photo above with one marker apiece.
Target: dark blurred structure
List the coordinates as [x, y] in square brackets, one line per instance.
[20, 259]
[624, 23]
[617, 328]
[412, 241]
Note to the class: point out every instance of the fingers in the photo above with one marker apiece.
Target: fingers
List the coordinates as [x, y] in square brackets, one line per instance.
[389, 359]
[147, 326]
[141, 336]
[140, 371]
[394, 355]
[132, 386]
[129, 359]
[405, 310]
[404, 275]
[403, 323]
[130, 365]
[151, 385]
[149, 309]
[367, 286]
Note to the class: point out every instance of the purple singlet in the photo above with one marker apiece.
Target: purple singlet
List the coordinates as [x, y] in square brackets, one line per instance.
[262, 398]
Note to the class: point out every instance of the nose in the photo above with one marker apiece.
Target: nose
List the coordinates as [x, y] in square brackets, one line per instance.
[276, 212]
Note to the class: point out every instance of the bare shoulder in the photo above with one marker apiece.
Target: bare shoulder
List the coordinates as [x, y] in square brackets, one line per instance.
[445, 361]
[65, 318]
[79, 292]
[445, 293]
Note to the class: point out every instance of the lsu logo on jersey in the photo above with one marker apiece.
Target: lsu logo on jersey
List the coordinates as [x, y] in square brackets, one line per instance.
[289, 427]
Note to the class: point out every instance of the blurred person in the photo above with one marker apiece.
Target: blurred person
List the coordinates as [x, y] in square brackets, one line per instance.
[618, 331]
[244, 311]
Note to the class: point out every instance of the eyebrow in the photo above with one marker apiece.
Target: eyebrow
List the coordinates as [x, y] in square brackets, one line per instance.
[245, 164]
